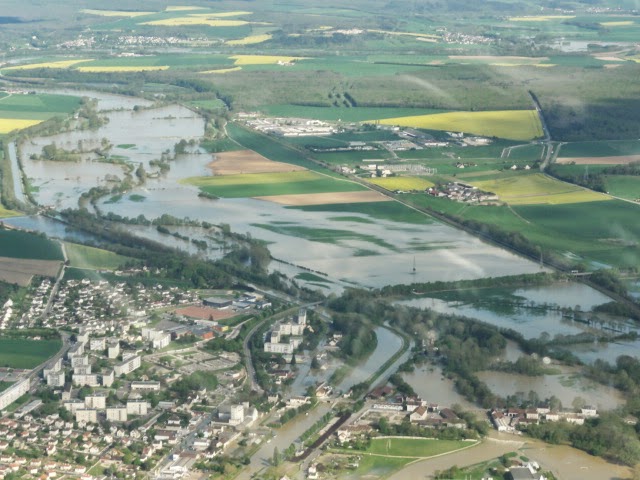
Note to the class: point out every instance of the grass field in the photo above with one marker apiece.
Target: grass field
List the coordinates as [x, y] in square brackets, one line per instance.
[25, 353]
[604, 232]
[537, 189]
[269, 184]
[605, 148]
[624, 186]
[414, 447]
[81, 256]
[402, 183]
[4, 213]
[510, 124]
[17, 244]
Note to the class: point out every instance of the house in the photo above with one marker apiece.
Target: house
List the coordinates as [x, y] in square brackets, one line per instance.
[418, 414]
[527, 472]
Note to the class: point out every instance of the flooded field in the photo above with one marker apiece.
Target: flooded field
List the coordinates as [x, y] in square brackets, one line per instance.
[565, 386]
[382, 253]
[537, 311]
[429, 383]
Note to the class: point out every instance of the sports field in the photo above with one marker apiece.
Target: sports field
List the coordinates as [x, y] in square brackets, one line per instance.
[401, 183]
[26, 353]
[414, 447]
[509, 124]
[537, 189]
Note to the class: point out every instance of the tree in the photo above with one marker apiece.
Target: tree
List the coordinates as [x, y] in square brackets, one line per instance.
[275, 460]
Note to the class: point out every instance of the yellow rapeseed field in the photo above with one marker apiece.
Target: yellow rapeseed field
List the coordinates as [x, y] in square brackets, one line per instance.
[510, 124]
[402, 183]
[9, 124]
[624, 23]
[115, 13]
[195, 20]
[223, 70]
[263, 59]
[541, 18]
[537, 189]
[59, 64]
[122, 68]
[250, 40]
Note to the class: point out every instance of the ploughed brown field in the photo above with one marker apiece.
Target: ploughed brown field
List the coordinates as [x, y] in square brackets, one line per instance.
[206, 313]
[20, 271]
[326, 198]
[248, 161]
[617, 160]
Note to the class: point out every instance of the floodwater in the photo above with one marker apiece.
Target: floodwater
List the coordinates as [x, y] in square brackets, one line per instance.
[565, 462]
[388, 344]
[535, 311]
[138, 137]
[382, 253]
[429, 383]
[50, 227]
[566, 387]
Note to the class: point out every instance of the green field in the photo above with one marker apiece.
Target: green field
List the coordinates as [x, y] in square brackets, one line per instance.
[81, 256]
[393, 211]
[17, 244]
[602, 232]
[24, 353]
[268, 147]
[414, 447]
[4, 385]
[267, 184]
[610, 148]
[624, 186]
